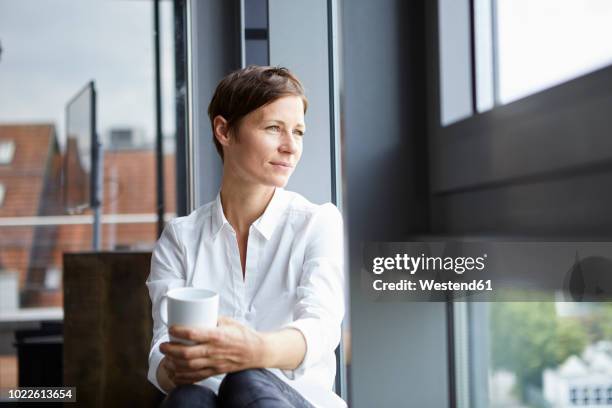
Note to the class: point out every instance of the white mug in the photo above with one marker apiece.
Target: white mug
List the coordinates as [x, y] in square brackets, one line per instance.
[193, 307]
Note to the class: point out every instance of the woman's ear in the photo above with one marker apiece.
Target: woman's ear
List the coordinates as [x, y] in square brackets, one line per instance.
[221, 129]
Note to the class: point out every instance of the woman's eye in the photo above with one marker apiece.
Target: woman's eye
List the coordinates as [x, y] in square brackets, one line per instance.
[298, 132]
[273, 128]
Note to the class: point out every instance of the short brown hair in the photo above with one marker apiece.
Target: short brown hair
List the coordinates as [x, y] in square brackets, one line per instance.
[247, 89]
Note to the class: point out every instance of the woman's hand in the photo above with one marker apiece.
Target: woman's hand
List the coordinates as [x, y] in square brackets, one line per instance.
[226, 348]
[164, 376]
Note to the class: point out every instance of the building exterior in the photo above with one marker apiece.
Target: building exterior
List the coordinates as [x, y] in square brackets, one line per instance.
[584, 381]
[35, 229]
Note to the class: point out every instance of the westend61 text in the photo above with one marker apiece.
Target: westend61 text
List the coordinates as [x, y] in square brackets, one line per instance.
[430, 284]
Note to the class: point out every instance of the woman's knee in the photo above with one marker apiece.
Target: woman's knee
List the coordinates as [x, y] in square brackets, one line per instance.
[241, 379]
[190, 395]
[242, 386]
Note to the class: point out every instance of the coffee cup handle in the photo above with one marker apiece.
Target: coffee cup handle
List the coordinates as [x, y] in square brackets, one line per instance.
[163, 309]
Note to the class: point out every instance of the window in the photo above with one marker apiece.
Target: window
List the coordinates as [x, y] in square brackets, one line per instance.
[597, 396]
[546, 42]
[7, 150]
[493, 52]
[125, 121]
[53, 278]
[35, 228]
[536, 349]
[573, 396]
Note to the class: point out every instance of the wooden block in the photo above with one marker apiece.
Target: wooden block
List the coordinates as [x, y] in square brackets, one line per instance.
[108, 328]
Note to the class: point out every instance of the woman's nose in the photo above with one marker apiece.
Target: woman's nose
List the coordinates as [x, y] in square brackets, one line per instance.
[289, 144]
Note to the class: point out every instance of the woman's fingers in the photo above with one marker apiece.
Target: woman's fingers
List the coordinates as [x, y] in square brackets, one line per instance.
[194, 364]
[196, 334]
[176, 350]
[227, 331]
[197, 369]
[199, 335]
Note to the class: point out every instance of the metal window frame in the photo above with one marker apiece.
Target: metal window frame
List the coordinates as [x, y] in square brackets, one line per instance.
[185, 201]
[333, 47]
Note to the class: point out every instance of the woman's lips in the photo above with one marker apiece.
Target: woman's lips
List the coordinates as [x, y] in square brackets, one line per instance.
[281, 165]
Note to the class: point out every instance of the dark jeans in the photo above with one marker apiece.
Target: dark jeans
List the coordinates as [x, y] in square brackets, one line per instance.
[256, 388]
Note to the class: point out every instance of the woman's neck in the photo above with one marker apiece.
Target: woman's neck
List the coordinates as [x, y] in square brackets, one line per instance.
[244, 203]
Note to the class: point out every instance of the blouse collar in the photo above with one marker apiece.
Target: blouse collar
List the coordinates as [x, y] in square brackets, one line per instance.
[265, 224]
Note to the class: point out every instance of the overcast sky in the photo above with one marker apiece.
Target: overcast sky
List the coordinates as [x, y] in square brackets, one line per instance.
[52, 48]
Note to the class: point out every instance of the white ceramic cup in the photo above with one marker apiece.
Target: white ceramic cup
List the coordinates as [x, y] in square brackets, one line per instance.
[193, 307]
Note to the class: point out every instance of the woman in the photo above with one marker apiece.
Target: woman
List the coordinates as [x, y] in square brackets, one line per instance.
[275, 259]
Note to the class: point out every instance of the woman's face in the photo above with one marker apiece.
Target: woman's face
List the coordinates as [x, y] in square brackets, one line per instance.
[269, 144]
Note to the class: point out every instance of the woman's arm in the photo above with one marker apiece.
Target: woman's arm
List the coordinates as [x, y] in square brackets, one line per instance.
[167, 272]
[319, 308]
[284, 349]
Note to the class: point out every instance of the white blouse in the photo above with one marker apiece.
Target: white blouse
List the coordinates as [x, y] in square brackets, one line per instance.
[294, 277]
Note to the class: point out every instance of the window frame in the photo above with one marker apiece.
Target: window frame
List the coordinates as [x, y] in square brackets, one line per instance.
[532, 136]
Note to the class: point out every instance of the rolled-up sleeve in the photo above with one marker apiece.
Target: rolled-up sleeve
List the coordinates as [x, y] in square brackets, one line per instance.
[167, 272]
[319, 309]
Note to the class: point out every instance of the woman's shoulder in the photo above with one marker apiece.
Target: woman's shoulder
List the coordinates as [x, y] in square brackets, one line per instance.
[300, 205]
[315, 223]
[193, 221]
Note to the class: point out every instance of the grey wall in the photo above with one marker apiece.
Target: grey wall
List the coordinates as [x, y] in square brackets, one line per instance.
[298, 41]
[216, 52]
[399, 350]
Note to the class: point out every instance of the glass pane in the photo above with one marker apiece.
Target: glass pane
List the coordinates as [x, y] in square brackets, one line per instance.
[455, 65]
[542, 43]
[50, 50]
[256, 32]
[484, 54]
[550, 354]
